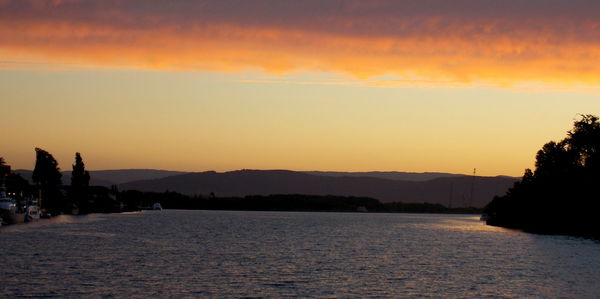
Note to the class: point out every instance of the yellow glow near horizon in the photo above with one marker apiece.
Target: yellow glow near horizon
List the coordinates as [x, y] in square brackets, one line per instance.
[203, 121]
[345, 86]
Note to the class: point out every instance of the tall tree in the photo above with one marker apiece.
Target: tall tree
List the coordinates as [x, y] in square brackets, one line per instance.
[80, 181]
[79, 177]
[47, 176]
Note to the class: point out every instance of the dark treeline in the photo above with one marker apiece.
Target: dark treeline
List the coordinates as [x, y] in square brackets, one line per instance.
[562, 194]
[279, 202]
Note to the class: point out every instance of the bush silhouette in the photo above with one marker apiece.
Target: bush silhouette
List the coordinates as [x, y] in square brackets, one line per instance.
[562, 195]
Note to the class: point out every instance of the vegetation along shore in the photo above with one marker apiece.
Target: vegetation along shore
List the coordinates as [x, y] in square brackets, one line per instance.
[562, 194]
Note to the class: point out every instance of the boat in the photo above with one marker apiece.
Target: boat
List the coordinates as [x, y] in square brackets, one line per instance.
[157, 206]
[8, 206]
[362, 209]
[32, 213]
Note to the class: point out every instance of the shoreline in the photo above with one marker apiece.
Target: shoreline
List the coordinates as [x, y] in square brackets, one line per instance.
[53, 218]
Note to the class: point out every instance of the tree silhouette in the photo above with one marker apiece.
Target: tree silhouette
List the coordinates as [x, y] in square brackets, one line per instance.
[80, 181]
[4, 168]
[562, 195]
[79, 176]
[47, 176]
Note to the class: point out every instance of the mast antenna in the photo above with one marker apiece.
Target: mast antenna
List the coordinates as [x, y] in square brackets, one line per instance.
[472, 188]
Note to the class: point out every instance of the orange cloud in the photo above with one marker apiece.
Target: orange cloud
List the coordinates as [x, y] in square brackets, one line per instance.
[511, 42]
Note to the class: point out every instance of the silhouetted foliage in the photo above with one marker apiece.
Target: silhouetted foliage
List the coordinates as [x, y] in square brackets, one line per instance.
[135, 200]
[562, 195]
[79, 176]
[16, 184]
[80, 181]
[104, 200]
[47, 176]
[4, 169]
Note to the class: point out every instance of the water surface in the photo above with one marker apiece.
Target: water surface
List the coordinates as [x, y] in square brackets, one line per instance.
[289, 254]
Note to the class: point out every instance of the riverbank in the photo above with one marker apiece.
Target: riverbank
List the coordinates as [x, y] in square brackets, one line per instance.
[136, 201]
[287, 202]
[253, 206]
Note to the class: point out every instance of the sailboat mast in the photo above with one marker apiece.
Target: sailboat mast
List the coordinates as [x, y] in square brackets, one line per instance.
[472, 188]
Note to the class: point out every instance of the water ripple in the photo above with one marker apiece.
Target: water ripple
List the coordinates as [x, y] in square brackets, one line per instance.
[279, 254]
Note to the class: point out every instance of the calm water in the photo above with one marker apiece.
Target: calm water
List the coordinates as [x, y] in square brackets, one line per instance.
[284, 254]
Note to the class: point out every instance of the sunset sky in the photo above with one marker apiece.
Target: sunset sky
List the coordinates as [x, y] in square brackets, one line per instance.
[424, 85]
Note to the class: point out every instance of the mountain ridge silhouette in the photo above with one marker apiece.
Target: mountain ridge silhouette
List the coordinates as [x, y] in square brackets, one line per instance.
[452, 191]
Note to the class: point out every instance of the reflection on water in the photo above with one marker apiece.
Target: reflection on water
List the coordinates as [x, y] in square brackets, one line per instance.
[286, 254]
[466, 223]
[52, 221]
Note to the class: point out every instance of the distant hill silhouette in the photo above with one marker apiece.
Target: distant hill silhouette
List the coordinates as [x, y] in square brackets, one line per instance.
[390, 175]
[453, 190]
[111, 177]
[385, 186]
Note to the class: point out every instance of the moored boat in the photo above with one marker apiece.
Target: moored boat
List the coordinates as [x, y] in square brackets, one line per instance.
[32, 213]
[8, 206]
